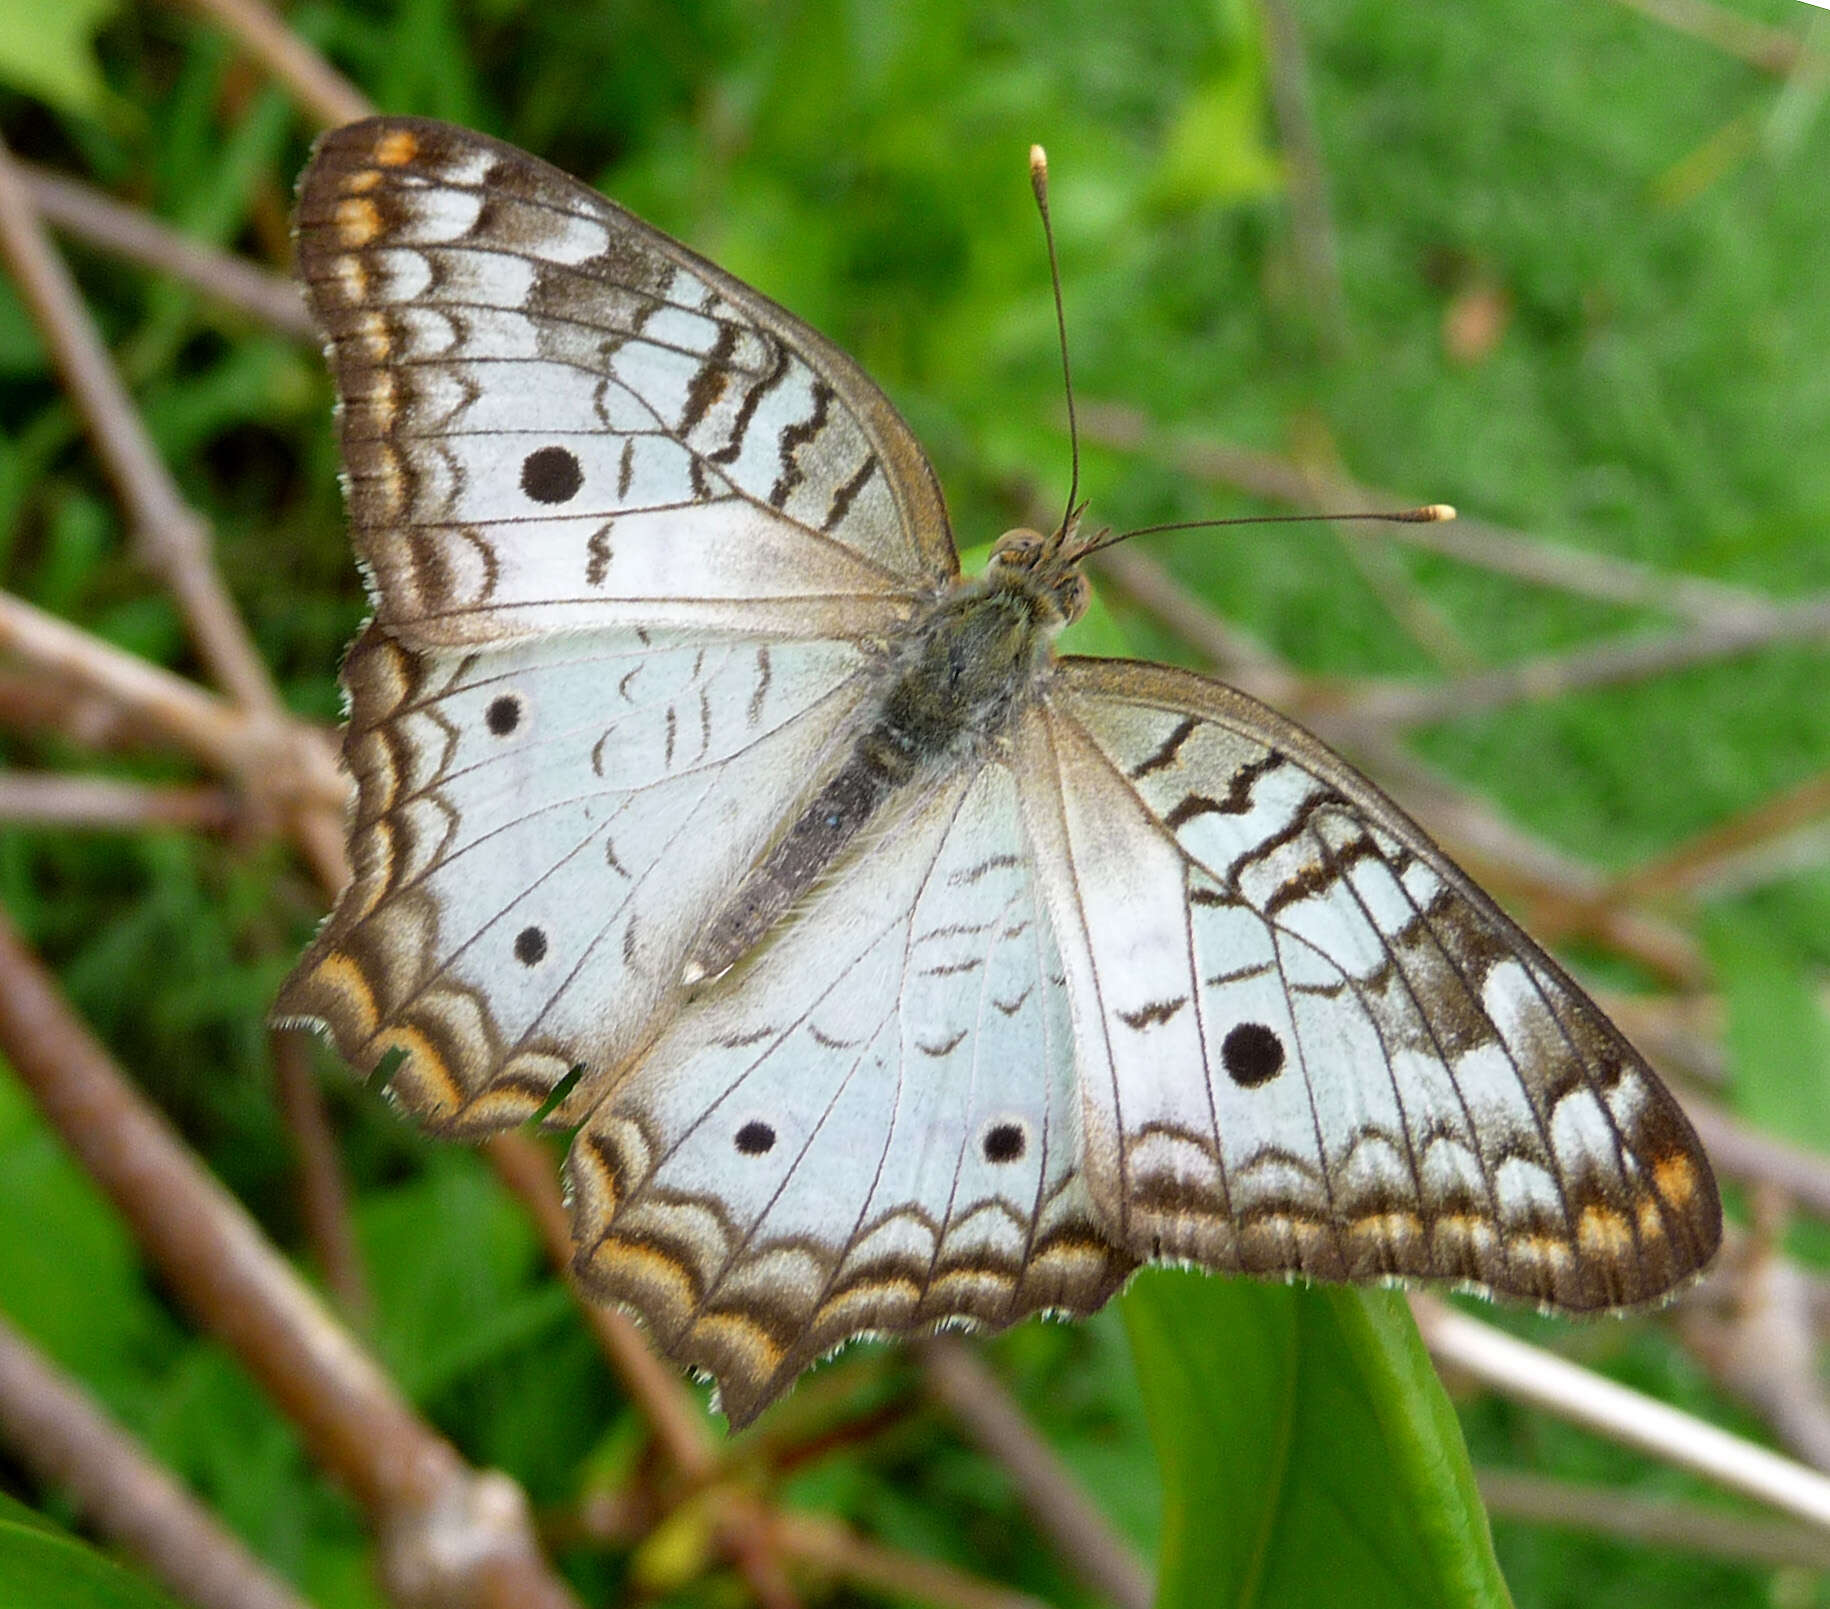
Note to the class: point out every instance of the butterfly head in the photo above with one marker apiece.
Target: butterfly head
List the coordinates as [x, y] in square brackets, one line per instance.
[1045, 567]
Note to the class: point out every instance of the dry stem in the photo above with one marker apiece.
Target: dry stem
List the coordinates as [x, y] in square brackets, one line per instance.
[57, 1432]
[449, 1536]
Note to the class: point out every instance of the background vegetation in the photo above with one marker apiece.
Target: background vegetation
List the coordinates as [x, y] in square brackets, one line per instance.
[1562, 266]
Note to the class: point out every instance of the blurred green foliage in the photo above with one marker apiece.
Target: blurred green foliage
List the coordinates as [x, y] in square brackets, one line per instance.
[1645, 217]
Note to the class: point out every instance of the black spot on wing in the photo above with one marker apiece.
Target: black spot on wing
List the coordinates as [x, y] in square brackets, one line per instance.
[1252, 1055]
[551, 475]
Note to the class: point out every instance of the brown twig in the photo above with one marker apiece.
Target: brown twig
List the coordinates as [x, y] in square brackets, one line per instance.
[307, 76]
[528, 1170]
[248, 747]
[1772, 50]
[171, 540]
[1743, 1152]
[323, 1197]
[1318, 265]
[448, 1535]
[1707, 860]
[99, 220]
[57, 1432]
[897, 1575]
[1081, 1535]
[1470, 540]
[1759, 1341]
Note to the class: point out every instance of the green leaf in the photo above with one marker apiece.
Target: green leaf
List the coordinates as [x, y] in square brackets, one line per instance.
[1777, 1037]
[1308, 1453]
[47, 50]
[42, 1567]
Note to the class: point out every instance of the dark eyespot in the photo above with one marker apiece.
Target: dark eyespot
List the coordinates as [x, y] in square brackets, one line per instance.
[754, 1138]
[1004, 1142]
[530, 946]
[1253, 1054]
[551, 475]
[503, 715]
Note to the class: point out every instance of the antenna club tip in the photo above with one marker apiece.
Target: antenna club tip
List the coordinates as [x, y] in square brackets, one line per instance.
[1038, 161]
[1436, 513]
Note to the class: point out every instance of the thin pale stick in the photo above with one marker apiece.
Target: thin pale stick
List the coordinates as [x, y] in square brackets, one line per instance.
[1529, 1374]
[27, 799]
[98, 220]
[448, 1535]
[1652, 1522]
[254, 748]
[317, 86]
[1601, 664]
[1700, 862]
[55, 1430]
[1081, 1535]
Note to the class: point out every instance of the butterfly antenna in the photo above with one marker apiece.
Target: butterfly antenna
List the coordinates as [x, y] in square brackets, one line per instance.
[1038, 182]
[1428, 514]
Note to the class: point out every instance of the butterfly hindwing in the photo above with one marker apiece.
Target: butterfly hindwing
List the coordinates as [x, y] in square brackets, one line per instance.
[1309, 1043]
[554, 417]
[540, 831]
[871, 1126]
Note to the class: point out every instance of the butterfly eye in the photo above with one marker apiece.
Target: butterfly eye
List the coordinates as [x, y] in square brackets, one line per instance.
[1018, 549]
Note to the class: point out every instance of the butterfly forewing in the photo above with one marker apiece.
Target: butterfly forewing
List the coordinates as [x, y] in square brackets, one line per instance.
[1309, 1043]
[871, 1127]
[557, 418]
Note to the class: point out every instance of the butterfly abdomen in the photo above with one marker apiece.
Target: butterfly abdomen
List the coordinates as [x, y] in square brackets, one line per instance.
[952, 691]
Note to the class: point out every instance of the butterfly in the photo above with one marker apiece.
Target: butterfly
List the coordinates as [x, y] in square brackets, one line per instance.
[892, 970]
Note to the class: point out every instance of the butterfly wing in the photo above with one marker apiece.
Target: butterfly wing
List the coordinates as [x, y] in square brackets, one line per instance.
[1309, 1043]
[625, 522]
[870, 1125]
[540, 831]
[554, 417]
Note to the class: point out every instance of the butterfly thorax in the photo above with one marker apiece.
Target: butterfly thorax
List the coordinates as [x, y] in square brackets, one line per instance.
[950, 687]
